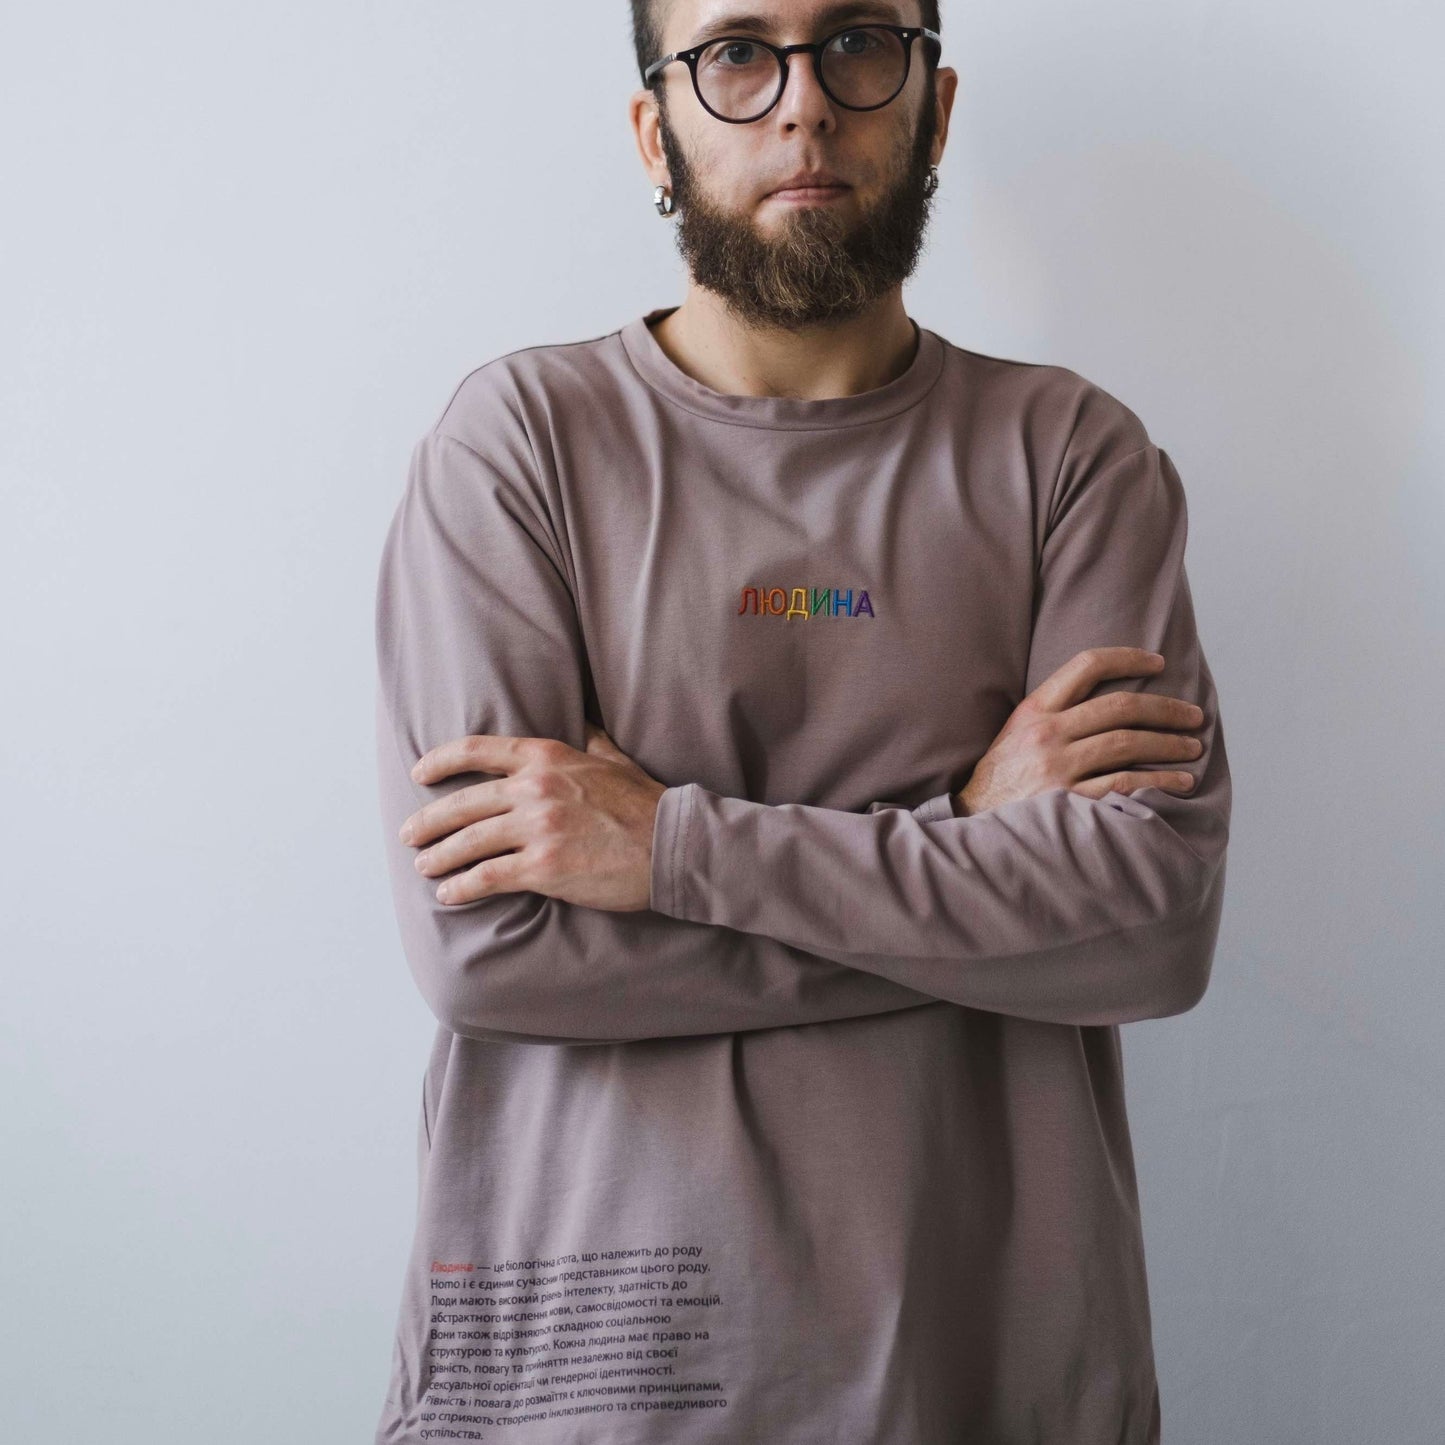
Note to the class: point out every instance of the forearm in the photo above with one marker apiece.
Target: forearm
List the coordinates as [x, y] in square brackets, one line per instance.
[1055, 907]
[528, 968]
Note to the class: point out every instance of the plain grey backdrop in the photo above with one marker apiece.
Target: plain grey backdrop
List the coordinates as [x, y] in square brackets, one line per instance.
[247, 252]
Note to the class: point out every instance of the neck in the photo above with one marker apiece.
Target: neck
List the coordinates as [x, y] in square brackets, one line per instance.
[702, 338]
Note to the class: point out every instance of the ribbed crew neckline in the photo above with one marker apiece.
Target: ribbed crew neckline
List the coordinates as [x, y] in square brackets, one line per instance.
[782, 413]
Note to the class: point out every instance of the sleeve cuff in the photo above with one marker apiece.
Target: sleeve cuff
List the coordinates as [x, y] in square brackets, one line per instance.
[931, 810]
[669, 849]
[934, 810]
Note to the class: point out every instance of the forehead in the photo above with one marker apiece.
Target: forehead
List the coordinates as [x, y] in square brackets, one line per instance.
[684, 21]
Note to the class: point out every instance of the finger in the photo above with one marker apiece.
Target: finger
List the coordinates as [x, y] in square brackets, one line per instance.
[474, 753]
[1128, 710]
[505, 874]
[1132, 745]
[1127, 782]
[1085, 670]
[455, 810]
[477, 841]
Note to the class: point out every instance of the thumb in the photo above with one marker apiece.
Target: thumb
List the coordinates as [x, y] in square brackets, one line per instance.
[598, 742]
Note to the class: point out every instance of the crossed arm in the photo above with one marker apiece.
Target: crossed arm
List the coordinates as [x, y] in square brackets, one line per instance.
[1056, 906]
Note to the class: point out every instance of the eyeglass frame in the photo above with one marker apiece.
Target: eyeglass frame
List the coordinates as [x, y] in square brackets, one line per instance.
[907, 33]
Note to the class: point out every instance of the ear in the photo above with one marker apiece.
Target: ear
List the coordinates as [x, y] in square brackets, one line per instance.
[647, 132]
[945, 89]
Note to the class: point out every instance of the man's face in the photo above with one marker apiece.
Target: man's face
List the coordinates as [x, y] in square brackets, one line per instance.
[780, 262]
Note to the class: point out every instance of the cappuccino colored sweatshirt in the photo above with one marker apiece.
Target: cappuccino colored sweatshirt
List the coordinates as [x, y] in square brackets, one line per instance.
[829, 1145]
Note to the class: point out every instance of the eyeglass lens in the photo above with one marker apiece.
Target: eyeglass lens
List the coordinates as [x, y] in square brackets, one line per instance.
[862, 67]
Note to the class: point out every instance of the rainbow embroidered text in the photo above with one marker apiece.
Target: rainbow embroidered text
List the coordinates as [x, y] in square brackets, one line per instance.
[830, 601]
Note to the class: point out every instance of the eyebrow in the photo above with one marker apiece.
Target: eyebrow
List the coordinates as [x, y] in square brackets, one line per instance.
[751, 21]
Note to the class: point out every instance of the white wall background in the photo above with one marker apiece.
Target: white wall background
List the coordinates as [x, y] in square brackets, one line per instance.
[248, 249]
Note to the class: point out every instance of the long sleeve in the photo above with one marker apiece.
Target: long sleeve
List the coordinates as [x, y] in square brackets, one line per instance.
[477, 632]
[1056, 907]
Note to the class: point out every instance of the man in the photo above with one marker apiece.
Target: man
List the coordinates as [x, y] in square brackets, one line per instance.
[797, 759]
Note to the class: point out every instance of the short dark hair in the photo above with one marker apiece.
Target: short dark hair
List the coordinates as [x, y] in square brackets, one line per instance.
[647, 29]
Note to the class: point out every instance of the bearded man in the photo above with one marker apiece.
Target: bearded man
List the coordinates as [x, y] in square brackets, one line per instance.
[797, 759]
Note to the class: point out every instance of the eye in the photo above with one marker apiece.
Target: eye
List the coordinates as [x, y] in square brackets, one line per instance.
[855, 42]
[732, 54]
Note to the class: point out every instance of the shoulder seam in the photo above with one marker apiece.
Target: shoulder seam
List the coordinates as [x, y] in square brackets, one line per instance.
[518, 351]
[1006, 360]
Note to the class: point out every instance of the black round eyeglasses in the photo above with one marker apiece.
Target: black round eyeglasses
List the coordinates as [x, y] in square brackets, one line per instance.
[739, 79]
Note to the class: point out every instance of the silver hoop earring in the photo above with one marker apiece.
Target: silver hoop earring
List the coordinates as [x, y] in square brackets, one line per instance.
[662, 199]
[931, 184]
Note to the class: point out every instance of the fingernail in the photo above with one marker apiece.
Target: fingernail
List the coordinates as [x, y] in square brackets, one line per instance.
[1196, 714]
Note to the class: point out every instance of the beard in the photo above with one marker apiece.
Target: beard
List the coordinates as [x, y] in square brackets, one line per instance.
[820, 265]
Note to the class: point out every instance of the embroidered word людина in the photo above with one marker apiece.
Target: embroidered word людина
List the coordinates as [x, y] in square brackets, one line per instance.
[830, 601]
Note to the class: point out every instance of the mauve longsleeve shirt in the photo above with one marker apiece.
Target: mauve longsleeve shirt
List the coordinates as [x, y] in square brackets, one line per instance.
[829, 1144]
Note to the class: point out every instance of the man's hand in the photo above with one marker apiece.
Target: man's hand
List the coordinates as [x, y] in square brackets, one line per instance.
[1054, 739]
[578, 824]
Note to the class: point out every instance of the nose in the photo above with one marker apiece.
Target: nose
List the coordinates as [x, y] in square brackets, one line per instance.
[803, 101]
